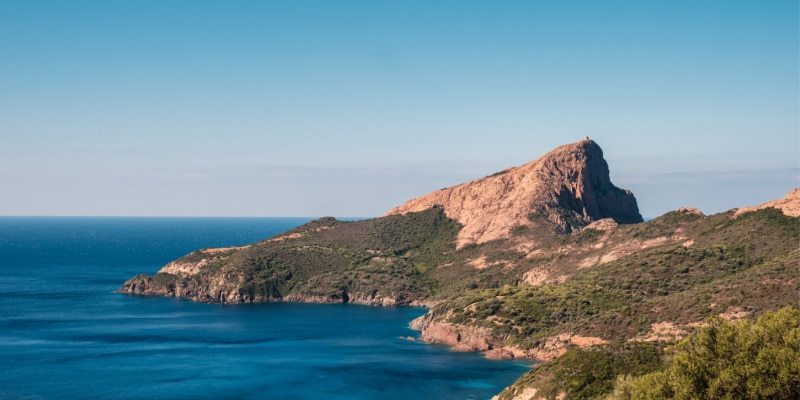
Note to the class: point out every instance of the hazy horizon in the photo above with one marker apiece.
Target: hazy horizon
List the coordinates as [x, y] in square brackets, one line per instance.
[349, 108]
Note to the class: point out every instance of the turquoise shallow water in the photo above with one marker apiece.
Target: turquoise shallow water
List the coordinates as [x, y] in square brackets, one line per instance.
[65, 333]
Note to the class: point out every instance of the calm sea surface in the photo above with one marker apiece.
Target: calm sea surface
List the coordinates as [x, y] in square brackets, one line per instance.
[65, 333]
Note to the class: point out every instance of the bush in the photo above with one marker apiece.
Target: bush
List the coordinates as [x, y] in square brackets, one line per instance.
[743, 360]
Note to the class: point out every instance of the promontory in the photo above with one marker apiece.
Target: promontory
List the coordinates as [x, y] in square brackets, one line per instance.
[547, 261]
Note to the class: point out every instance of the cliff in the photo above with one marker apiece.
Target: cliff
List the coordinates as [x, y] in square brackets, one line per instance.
[568, 188]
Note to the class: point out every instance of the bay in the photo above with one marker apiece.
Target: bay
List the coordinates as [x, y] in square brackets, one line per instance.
[66, 334]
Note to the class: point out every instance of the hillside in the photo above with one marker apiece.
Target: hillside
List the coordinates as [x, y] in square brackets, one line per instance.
[377, 262]
[743, 359]
[697, 267]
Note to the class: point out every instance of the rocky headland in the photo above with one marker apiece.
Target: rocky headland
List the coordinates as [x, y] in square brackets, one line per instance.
[533, 262]
[567, 188]
[562, 192]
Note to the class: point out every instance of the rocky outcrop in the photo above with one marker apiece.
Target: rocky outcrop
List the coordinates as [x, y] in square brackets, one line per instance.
[480, 339]
[199, 290]
[789, 205]
[568, 188]
[191, 287]
[459, 337]
[367, 299]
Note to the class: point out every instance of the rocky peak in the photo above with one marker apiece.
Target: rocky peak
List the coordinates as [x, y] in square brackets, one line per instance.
[567, 188]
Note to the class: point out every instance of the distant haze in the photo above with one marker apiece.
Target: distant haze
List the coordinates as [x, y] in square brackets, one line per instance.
[349, 108]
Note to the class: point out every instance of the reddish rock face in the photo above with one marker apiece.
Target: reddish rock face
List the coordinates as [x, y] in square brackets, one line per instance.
[789, 205]
[568, 188]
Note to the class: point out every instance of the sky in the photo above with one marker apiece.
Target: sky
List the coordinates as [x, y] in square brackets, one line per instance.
[349, 108]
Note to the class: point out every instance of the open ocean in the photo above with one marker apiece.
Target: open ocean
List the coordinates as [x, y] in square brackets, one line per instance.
[66, 334]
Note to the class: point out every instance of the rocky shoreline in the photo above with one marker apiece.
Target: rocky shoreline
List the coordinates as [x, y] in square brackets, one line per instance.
[456, 336]
[193, 289]
[461, 337]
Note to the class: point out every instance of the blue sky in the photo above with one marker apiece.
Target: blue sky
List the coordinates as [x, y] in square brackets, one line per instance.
[348, 108]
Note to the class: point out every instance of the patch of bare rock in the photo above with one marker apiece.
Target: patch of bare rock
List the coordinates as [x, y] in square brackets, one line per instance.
[789, 205]
[206, 256]
[480, 339]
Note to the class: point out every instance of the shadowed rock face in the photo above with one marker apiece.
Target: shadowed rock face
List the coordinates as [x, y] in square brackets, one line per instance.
[587, 189]
[569, 188]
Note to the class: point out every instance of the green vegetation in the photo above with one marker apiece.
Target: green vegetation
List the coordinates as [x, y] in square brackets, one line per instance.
[335, 260]
[589, 373]
[165, 279]
[745, 359]
[749, 263]
[524, 315]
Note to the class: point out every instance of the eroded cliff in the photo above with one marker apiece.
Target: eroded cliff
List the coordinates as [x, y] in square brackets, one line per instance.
[568, 187]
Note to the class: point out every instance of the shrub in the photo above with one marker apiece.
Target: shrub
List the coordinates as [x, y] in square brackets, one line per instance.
[742, 360]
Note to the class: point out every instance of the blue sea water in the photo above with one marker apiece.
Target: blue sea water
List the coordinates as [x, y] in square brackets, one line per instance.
[66, 334]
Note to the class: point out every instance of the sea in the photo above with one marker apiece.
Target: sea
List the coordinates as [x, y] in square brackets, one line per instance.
[66, 334]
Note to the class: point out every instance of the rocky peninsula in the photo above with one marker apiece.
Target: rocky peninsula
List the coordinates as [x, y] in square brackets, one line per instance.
[530, 262]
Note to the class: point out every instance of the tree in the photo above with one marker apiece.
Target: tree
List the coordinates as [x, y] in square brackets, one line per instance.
[745, 359]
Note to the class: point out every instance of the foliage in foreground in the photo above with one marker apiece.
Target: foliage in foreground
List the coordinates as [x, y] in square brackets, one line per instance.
[746, 359]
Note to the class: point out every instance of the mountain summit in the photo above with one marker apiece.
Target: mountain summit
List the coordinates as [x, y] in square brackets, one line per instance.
[567, 188]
